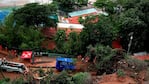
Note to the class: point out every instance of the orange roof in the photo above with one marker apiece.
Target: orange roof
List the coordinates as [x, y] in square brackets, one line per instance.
[75, 19]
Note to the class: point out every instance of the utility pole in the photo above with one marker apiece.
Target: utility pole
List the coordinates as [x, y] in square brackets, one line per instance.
[130, 42]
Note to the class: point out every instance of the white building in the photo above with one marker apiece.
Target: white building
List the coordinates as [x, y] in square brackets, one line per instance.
[6, 3]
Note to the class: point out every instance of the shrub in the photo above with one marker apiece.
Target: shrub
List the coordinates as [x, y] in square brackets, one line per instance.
[136, 65]
[29, 78]
[82, 78]
[120, 73]
[19, 81]
[105, 58]
[5, 81]
[41, 72]
[62, 78]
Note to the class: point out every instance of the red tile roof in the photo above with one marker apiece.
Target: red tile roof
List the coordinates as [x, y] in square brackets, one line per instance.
[74, 20]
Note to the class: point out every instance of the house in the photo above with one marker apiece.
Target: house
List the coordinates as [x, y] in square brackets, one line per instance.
[73, 17]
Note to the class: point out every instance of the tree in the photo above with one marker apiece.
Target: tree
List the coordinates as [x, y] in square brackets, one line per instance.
[73, 46]
[31, 38]
[131, 23]
[98, 29]
[106, 5]
[69, 5]
[60, 39]
[129, 16]
[35, 15]
[65, 5]
[70, 45]
[135, 20]
[9, 21]
[21, 38]
[104, 57]
[81, 3]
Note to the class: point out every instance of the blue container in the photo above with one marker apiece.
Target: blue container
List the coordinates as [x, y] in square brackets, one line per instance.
[65, 64]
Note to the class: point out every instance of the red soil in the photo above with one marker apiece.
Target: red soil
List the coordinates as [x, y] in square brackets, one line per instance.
[114, 79]
[142, 57]
[14, 75]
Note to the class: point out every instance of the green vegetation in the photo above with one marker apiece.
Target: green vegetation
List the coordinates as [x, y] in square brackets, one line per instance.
[62, 78]
[72, 45]
[120, 73]
[82, 78]
[35, 15]
[60, 39]
[136, 65]
[129, 16]
[65, 78]
[21, 37]
[68, 45]
[105, 58]
[18, 81]
[71, 5]
[21, 29]
[96, 32]
[5, 81]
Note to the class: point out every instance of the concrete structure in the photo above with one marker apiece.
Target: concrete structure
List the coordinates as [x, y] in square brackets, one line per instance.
[70, 27]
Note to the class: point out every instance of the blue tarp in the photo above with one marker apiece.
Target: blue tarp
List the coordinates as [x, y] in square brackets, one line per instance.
[65, 59]
[3, 14]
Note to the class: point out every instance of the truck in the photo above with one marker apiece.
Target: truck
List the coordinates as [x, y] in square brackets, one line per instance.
[65, 63]
[12, 66]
